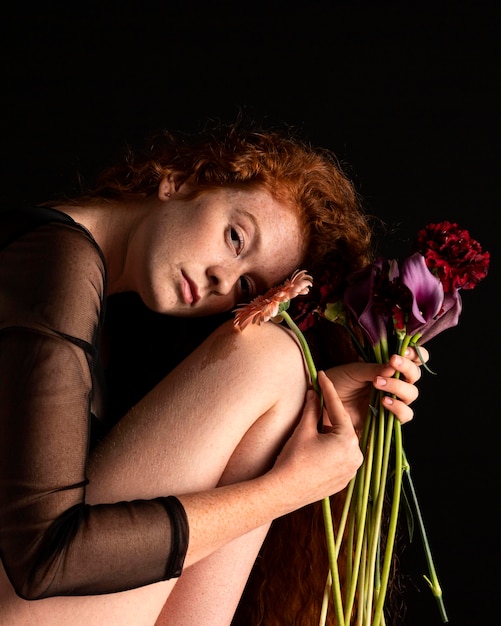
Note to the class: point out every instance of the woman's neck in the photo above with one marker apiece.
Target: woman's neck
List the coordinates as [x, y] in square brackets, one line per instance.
[111, 224]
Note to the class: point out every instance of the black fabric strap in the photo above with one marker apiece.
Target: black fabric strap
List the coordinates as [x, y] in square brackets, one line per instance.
[180, 536]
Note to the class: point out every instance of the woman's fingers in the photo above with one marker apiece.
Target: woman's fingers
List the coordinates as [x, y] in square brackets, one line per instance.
[399, 392]
[400, 410]
[419, 355]
[336, 411]
[409, 370]
[321, 463]
[404, 391]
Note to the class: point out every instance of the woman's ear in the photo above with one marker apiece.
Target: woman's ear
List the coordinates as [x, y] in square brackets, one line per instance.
[166, 188]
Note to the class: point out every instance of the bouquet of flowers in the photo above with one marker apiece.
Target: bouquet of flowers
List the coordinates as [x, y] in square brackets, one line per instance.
[395, 305]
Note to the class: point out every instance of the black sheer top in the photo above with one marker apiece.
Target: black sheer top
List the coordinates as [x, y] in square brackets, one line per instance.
[52, 289]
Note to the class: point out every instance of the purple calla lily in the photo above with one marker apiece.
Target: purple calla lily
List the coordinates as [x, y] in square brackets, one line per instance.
[363, 297]
[432, 311]
[447, 317]
[426, 290]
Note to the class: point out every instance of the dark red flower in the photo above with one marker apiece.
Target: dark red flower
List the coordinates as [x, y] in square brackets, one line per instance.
[322, 293]
[452, 255]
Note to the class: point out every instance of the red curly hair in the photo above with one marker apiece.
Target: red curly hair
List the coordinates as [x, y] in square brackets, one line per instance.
[337, 233]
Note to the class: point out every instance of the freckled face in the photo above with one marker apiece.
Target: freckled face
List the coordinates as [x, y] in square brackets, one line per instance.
[206, 255]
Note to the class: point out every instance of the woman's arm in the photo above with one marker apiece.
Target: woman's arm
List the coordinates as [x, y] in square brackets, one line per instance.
[51, 541]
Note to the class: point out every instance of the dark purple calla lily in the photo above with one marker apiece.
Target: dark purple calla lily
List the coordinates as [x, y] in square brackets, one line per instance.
[426, 290]
[362, 297]
[447, 317]
[432, 311]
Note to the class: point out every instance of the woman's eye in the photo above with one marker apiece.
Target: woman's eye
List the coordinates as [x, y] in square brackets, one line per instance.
[246, 286]
[237, 240]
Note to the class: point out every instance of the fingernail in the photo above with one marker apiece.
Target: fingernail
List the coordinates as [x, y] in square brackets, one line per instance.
[398, 360]
[388, 400]
[380, 381]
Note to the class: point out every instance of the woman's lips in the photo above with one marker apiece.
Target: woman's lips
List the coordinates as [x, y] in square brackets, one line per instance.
[189, 290]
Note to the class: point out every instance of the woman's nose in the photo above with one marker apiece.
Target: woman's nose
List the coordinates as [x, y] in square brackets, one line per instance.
[223, 278]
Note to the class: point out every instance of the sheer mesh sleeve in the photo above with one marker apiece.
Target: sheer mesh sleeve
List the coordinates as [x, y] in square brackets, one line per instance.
[52, 281]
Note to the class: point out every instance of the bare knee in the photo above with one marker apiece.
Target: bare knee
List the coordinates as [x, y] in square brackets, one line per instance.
[283, 362]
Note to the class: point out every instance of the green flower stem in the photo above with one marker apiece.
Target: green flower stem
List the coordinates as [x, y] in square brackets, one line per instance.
[357, 482]
[382, 469]
[374, 516]
[390, 540]
[432, 580]
[379, 445]
[344, 514]
[325, 600]
[306, 349]
[394, 427]
[343, 523]
[378, 488]
[326, 503]
[361, 584]
[356, 485]
[332, 554]
[364, 475]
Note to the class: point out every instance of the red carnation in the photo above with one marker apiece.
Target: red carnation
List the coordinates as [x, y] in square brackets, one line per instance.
[452, 255]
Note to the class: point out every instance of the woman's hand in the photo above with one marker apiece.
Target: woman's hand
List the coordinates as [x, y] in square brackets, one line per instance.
[314, 465]
[353, 384]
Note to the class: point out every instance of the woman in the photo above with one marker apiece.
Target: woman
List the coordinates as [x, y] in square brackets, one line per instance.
[97, 524]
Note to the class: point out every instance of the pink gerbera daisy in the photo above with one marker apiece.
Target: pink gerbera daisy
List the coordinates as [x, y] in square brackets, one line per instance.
[266, 307]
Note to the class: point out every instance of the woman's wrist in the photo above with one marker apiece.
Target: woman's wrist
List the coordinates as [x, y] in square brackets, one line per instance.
[221, 515]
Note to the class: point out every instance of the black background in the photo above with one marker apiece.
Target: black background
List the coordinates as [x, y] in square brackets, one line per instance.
[407, 94]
